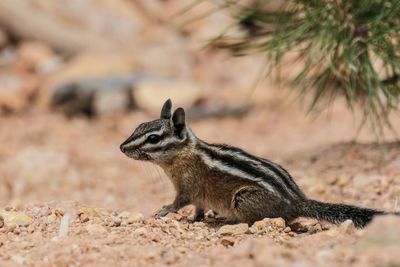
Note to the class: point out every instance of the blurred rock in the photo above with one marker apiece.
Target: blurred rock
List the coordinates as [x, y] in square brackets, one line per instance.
[151, 94]
[3, 38]
[87, 66]
[38, 57]
[380, 244]
[124, 214]
[275, 223]
[383, 231]
[108, 25]
[227, 241]
[64, 226]
[95, 229]
[98, 96]
[173, 216]
[304, 225]
[74, 26]
[345, 228]
[278, 223]
[235, 229]
[83, 217]
[112, 101]
[141, 231]
[135, 217]
[17, 91]
[15, 219]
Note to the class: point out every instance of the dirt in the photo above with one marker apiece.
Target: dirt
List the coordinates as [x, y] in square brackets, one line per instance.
[90, 205]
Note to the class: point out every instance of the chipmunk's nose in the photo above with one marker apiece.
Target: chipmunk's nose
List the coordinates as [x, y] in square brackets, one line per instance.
[122, 147]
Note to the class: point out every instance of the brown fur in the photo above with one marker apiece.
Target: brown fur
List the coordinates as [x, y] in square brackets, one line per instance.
[237, 185]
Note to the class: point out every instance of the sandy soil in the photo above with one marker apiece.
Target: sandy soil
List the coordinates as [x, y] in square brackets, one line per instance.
[89, 205]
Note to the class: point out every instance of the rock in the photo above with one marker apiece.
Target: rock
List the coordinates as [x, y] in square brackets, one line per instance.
[136, 217]
[227, 241]
[262, 225]
[380, 243]
[18, 259]
[100, 95]
[141, 231]
[3, 38]
[117, 221]
[38, 57]
[17, 91]
[95, 229]
[124, 214]
[51, 219]
[287, 229]
[347, 227]
[382, 232]
[86, 67]
[278, 223]
[173, 216]
[14, 218]
[304, 225]
[64, 226]
[235, 229]
[3, 239]
[83, 217]
[151, 94]
[59, 212]
[112, 101]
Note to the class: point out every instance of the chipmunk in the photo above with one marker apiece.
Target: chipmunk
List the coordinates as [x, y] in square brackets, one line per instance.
[226, 179]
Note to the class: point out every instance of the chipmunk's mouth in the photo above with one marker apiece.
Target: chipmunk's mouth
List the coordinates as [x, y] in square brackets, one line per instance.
[137, 154]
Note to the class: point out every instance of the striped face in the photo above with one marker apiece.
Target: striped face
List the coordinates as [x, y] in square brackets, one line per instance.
[158, 140]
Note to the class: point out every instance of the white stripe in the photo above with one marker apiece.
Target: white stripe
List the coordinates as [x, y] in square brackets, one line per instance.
[142, 139]
[233, 171]
[259, 165]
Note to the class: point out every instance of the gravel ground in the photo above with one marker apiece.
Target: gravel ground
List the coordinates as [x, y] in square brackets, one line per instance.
[70, 198]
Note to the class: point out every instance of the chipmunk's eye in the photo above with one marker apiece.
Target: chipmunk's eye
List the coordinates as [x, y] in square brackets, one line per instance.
[153, 138]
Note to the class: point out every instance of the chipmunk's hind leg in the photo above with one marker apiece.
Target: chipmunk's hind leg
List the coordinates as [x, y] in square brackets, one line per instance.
[254, 203]
[197, 216]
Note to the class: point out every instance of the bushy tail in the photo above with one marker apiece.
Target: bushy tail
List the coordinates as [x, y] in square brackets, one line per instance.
[338, 213]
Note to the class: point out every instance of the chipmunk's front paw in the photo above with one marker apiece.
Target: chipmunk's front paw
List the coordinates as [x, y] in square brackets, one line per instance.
[165, 210]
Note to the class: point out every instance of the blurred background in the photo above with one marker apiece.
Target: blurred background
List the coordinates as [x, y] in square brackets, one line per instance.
[78, 76]
[307, 84]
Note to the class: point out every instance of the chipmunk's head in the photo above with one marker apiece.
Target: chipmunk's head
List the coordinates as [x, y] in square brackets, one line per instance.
[159, 140]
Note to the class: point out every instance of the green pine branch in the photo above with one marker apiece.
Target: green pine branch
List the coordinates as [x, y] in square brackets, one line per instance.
[346, 47]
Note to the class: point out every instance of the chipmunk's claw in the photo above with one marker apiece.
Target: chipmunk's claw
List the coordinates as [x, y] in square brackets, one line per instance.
[164, 211]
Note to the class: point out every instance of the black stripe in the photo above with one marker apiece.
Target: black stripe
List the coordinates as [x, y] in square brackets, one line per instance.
[157, 147]
[275, 168]
[288, 180]
[246, 167]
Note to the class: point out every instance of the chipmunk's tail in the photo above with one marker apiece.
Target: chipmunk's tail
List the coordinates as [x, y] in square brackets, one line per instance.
[338, 213]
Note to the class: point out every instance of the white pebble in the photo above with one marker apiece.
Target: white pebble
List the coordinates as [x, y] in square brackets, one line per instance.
[64, 226]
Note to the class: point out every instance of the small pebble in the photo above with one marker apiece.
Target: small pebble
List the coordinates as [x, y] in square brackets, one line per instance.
[51, 219]
[124, 215]
[140, 231]
[235, 229]
[83, 217]
[64, 226]
[287, 229]
[227, 241]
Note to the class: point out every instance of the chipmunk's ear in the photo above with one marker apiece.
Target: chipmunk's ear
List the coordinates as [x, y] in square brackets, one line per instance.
[166, 110]
[178, 120]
